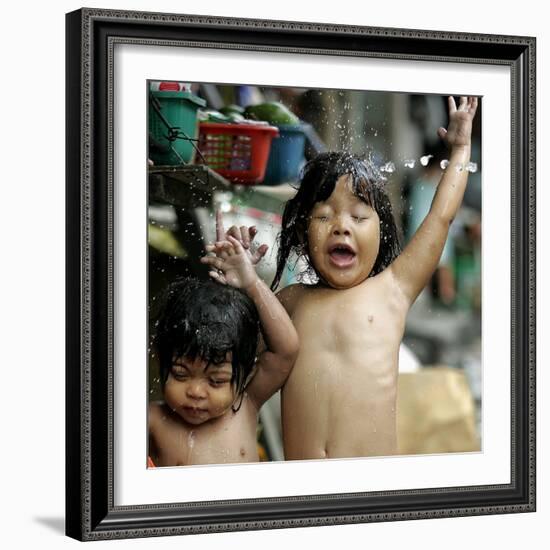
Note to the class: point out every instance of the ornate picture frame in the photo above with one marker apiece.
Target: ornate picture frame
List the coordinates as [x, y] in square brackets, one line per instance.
[91, 330]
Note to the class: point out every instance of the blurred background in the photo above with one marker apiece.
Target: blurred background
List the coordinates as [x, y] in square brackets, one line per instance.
[240, 148]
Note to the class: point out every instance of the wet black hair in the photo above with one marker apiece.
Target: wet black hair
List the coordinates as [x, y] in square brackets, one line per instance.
[316, 183]
[203, 318]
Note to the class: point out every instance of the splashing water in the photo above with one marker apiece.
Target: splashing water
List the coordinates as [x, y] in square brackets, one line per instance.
[425, 159]
[471, 167]
[409, 163]
[389, 167]
[444, 163]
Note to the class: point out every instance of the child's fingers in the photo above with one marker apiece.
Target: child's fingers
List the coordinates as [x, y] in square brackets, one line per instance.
[219, 225]
[218, 277]
[472, 107]
[442, 133]
[216, 250]
[260, 253]
[452, 104]
[228, 248]
[463, 106]
[224, 249]
[213, 261]
[245, 236]
[236, 245]
[233, 231]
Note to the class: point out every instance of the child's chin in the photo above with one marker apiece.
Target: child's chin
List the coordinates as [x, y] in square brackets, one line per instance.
[344, 279]
[342, 283]
[195, 421]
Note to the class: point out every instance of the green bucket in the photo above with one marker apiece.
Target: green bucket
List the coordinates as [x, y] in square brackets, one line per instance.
[179, 110]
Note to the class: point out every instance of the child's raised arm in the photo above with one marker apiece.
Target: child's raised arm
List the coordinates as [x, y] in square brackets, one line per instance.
[275, 362]
[413, 268]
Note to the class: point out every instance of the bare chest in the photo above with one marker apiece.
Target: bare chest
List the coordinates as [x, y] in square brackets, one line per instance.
[231, 438]
[349, 321]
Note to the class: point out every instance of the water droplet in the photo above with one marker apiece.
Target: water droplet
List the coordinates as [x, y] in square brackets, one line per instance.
[471, 167]
[425, 159]
[459, 167]
[389, 167]
[409, 163]
[444, 163]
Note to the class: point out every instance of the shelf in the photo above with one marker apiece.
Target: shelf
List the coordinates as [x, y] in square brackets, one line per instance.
[184, 186]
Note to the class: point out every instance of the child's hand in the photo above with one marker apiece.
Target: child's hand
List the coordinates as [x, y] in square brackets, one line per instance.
[233, 265]
[459, 131]
[245, 235]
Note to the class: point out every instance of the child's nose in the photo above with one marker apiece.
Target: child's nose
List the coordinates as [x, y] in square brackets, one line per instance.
[195, 390]
[340, 227]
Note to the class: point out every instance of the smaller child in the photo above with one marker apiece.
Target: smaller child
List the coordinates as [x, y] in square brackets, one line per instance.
[214, 376]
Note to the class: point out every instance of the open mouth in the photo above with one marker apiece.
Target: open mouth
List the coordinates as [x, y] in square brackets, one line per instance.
[341, 255]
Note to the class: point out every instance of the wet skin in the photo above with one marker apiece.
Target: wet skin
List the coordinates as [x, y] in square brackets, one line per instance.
[196, 423]
[339, 400]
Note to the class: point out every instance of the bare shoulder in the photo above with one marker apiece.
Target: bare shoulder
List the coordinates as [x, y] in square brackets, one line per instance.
[291, 295]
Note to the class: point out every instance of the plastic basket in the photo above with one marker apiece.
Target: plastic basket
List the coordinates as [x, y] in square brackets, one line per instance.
[286, 156]
[180, 111]
[238, 152]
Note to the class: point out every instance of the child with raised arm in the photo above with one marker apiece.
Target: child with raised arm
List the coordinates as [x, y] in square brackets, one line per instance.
[213, 376]
[340, 399]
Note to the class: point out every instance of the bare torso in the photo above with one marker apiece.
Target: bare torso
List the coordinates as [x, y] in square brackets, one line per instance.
[340, 398]
[227, 439]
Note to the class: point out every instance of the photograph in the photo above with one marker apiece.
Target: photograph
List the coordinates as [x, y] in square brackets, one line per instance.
[314, 273]
[300, 274]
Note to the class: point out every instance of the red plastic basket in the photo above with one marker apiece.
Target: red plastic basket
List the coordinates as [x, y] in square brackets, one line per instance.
[238, 152]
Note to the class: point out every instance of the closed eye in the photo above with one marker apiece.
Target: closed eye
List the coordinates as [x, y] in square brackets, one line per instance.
[217, 383]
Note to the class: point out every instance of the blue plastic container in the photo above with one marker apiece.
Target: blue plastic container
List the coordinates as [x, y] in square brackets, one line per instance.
[286, 156]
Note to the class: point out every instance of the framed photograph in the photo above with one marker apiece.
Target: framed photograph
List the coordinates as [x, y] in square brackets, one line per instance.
[196, 147]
